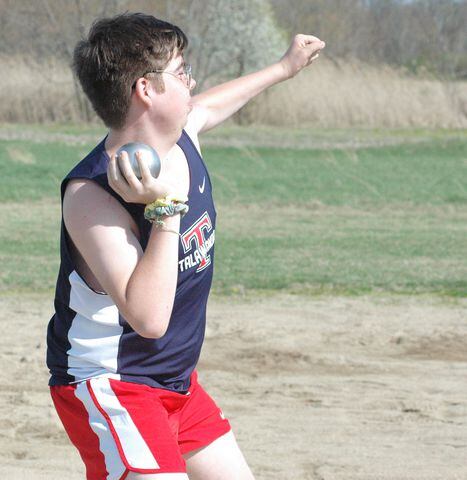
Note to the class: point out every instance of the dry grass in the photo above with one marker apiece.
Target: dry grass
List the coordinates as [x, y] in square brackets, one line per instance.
[325, 95]
[355, 94]
[35, 91]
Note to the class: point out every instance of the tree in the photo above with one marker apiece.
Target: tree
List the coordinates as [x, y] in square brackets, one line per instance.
[424, 35]
[230, 37]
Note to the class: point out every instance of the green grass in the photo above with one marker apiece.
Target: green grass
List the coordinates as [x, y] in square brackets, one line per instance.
[31, 171]
[348, 220]
[344, 250]
[419, 174]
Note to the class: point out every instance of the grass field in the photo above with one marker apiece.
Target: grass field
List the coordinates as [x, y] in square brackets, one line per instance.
[346, 211]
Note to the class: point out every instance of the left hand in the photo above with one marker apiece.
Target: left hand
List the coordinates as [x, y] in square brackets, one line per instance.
[302, 51]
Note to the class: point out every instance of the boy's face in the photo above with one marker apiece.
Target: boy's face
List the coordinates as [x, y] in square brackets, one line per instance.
[174, 104]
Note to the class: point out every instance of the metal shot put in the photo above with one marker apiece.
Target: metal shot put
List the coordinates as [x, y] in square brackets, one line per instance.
[149, 155]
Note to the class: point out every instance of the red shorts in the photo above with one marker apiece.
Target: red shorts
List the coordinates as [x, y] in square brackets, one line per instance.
[120, 427]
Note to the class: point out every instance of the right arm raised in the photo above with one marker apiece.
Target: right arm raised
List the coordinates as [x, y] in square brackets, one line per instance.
[142, 284]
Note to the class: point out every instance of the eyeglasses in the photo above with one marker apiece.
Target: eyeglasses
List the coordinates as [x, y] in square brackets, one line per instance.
[185, 75]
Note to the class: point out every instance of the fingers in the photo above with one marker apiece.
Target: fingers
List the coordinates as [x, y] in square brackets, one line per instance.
[310, 45]
[315, 46]
[306, 40]
[121, 176]
[114, 175]
[125, 168]
[312, 58]
[143, 168]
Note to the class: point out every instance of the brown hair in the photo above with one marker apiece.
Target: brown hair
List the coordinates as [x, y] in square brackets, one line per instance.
[117, 52]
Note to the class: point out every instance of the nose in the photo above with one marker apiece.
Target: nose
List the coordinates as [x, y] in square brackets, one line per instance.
[192, 83]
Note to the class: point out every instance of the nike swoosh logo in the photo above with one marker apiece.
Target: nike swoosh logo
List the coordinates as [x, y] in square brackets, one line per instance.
[201, 187]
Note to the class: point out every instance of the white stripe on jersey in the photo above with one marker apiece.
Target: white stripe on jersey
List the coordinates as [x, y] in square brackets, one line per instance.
[137, 453]
[113, 463]
[94, 334]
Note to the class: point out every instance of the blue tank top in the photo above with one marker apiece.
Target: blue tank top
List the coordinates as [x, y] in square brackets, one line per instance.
[88, 337]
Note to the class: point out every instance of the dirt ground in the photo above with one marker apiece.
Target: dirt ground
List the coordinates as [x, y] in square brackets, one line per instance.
[325, 388]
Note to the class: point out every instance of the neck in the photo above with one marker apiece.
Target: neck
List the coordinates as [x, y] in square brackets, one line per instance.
[162, 140]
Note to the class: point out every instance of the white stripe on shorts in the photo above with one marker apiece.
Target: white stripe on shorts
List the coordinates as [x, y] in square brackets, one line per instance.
[113, 463]
[136, 451]
[164, 476]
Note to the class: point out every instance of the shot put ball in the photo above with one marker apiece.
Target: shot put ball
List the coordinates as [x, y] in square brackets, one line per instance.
[149, 155]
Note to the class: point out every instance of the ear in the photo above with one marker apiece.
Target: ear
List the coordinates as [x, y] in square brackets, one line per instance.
[144, 90]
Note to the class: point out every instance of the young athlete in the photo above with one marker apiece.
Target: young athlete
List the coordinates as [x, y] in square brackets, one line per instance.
[130, 303]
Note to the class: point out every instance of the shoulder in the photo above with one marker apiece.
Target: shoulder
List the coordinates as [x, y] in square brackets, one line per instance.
[92, 165]
[84, 191]
[87, 204]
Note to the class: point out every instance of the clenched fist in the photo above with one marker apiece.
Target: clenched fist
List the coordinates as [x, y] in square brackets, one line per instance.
[302, 51]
